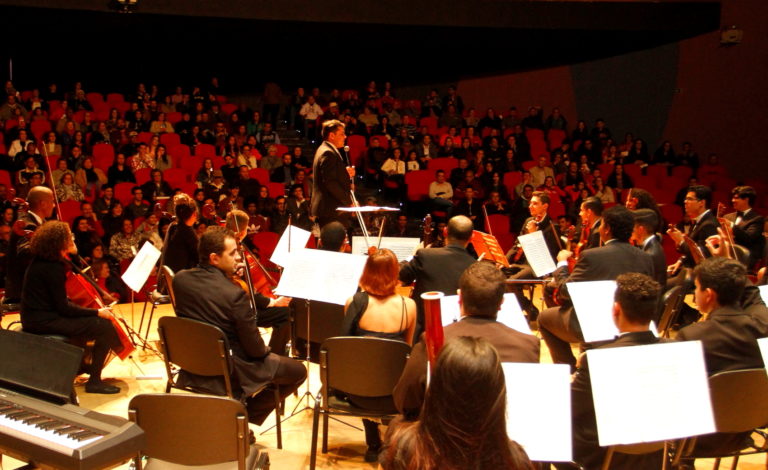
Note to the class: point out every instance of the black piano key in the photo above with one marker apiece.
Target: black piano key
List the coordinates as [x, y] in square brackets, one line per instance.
[65, 429]
[17, 414]
[37, 420]
[83, 435]
[23, 416]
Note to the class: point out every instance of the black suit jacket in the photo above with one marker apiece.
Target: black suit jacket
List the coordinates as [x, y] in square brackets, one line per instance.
[654, 248]
[331, 184]
[605, 263]
[181, 252]
[205, 294]
[18, 258]
[586, 450]
[512, 345]
[749, 233]
[703, 229]
[435, 269]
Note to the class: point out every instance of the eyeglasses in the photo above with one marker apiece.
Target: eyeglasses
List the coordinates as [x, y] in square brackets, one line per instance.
[691, 199]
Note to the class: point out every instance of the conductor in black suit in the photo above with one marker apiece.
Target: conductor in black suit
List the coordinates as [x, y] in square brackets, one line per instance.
[558, 325]
[645, 238]
[333, 173]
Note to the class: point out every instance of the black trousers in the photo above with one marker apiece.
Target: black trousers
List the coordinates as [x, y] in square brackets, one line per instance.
[277, 318]
[96, 329]
[289, 375]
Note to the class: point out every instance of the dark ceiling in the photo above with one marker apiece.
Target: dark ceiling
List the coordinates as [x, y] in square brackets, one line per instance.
[322, 43]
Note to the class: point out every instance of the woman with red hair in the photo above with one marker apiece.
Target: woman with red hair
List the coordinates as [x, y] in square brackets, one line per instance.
[378, 311]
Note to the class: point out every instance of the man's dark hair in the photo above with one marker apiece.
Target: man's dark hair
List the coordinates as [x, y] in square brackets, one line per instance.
[135, 188]
[702, 193]
[330, 126]
[745, 192]
[726, 277]
[185, 207]
[594, 204]
[460, 228]
[543, 196]
[638, 296]
[438, 172]
[212, 241]
[332, 236]
[646, 218]
[482, 289]
[620, 222]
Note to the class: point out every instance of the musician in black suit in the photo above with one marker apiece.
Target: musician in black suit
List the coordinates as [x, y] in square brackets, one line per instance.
[206, 294]
[41, 204]
[728, 333]
[645, 238]
[45, 308]
[439, 269]
[482, 293]
[635, 304]
[331, 187]
[697, 202]
[181, 249]
[558, 325]
[519, 267]
[747, 224]
[591, 212]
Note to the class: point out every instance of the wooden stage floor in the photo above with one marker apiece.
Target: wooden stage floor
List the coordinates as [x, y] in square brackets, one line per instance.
[346, 444]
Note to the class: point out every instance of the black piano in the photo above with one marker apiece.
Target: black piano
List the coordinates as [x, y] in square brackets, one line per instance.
[39, 424]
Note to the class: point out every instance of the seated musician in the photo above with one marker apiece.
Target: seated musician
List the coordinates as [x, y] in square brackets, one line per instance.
[747, 224]
[635, 304]
[481, 292]
[273, 311]
[205, 293]
[45, 308]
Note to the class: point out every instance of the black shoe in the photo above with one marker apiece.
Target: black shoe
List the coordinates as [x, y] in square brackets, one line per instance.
[372, 454]
[251, 437]
[101, 387]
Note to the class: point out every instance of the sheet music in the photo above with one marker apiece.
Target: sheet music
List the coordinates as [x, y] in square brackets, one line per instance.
[764, 293]
[510, 313]
[763, 344]
[298, 240]
[402, 247]
[543, 431]
[321, 275]
[141, 267]
[630, 385]
[536, 252]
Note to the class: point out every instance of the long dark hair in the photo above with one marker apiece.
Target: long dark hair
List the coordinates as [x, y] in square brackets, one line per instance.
[463, 421]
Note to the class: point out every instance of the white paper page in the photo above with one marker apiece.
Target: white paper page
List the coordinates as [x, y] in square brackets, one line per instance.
[510, 313]
[536, 252]
[402, 247]
[628, 384]
[449, 309]
[764, 293]
[543, 431]
[763, 343]
[141, 267]
[368, 209]
[593, 303]
[321, 275]
[298, 241]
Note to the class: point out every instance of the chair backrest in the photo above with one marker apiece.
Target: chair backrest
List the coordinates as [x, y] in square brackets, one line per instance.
[168, 276]
[738, 399]
[362, 366]
[192, 429]
[324, 319]
[196, 347]
[672, 302]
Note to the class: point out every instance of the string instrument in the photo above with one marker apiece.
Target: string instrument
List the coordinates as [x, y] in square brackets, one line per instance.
[433, 326]
[261, 279]
[577, 247]
[697, 255]
[84, 292]
[725, 224]
[427, 231]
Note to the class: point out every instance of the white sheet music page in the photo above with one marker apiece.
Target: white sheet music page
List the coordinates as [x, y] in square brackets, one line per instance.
[629, 383]
[543, 431]
[593, 303]
[536, 252]
[402, 247]
[294, 236]
[764, 293]
[141, 267]
[763, 344]
[321, 275]
[510, 313]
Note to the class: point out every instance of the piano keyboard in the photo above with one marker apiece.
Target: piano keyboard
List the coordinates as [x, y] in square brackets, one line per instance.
[44, 429]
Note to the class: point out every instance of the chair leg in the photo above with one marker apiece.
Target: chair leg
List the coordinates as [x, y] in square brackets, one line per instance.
[315, 426]
[735, 462]
[325, 433]
[717, 464]
[278, 423]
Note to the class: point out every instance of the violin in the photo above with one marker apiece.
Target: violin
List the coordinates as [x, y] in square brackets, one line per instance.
[261, 279]
[727, 229]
